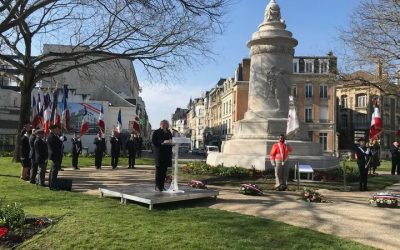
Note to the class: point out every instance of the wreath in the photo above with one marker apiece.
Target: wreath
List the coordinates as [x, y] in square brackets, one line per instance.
[197, 184]
[384, 200]
[250, 189]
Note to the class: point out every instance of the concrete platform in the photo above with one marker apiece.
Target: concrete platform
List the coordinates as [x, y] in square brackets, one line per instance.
[145, 193]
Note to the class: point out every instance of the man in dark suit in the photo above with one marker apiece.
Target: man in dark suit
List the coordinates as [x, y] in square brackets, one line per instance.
[131, 147]
[40, 157]
[100, 147]
[54, 145]
[363, 155]
[25, 150]
[395, 151]
[76, 150]
[162, 139]
[115, 142]
[34, 165]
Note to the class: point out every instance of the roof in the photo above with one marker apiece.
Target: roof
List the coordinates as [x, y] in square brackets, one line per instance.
[105, 93]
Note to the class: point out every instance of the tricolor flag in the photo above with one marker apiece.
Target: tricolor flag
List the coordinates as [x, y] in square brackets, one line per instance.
[65, 115]
[119, 123]
[136, 124]
[85, 123]
[46, 113]
[35, 120]
[101, 123]
[55, 116]
[376, 121]
[293, 121]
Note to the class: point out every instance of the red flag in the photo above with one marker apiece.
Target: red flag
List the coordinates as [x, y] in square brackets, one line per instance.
[118, 129]
[136, 124]
[85, 123]
[376, 122]
[101, 123]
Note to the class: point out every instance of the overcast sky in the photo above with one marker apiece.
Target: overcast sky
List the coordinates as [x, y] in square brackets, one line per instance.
[314, 23]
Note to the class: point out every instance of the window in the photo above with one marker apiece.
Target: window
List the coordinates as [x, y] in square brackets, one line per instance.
[309, 90]
[323, 139]
[230, 106]
[361, 101]
[343, 121]
[296, 66]
[361, 121]
[323, 66]
[308, 114]
[323, 114]
[309, 66]
[343, 102]
[323, 91]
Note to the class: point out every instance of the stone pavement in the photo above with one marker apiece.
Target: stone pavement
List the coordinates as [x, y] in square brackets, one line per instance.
[347, 215]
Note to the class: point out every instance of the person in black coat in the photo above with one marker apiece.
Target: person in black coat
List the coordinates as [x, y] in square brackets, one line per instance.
[116, 143]
[40, 157]
[76, 150]
[99, 149]
[375, 156]
[131, 146]
[162, 139]
[363, 155]
[25, 150]
[395, 150]
[54, 146]
[34, 165]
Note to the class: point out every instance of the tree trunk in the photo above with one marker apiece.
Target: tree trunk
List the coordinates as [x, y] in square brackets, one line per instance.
[25, 112]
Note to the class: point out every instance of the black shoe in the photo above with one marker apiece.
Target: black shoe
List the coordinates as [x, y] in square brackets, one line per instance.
[284, 187]
[61, 169]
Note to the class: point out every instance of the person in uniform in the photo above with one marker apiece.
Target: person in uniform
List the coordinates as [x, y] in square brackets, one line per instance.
[32, 157]
[41, 156]
[100, 147]
[24, 155]
[115, 142]
[76, 150]
[278, 155]
[363, 156]
[375, 154]
[54, 146]
[131, 147]
[162, 139]
[395, 151]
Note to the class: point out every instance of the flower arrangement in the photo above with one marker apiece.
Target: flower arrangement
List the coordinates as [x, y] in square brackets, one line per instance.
[197, 184]
[310, 195]
[384, 200]
[168, 179]
[250, 189]
[3, 231]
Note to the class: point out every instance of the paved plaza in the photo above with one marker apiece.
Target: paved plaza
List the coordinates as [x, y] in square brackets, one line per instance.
[347, 214]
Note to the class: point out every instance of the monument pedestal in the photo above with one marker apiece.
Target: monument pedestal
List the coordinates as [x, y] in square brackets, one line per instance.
[260, 129]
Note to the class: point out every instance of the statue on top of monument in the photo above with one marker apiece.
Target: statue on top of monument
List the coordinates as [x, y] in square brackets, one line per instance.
[273, 12]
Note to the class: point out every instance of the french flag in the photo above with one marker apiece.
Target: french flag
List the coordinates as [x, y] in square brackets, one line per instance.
[101, 123]
[119, 123]
[65, 115]
[46, 113]
[35, 112]
[85, 123]
[376, 122]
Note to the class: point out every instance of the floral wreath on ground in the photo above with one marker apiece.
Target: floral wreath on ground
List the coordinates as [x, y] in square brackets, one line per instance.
[250, 189]
[197, 184]
[384, 199]
[310, 195]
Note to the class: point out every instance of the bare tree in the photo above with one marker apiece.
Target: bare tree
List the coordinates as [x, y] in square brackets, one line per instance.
[160, 34]
[374, 34]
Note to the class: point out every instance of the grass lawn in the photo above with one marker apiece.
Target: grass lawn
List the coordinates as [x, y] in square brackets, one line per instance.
[386, 165]
[89, 161]
[88, 222]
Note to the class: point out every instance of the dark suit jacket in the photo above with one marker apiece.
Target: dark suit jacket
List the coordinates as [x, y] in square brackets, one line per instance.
[32, 139]
[115, 145]
[76, 146]
[362, 156]
[395, 152]
[54, 145]
[100, 144]
[40, 151]
[162, 153]
[25, 147]
[131, 146]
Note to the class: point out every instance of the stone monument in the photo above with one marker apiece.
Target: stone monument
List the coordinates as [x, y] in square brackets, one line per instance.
[271, 52]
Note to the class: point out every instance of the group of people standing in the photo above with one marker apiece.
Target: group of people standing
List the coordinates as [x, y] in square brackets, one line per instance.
[37, 150]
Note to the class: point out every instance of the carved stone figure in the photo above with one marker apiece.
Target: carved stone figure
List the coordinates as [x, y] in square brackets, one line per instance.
[273, 12]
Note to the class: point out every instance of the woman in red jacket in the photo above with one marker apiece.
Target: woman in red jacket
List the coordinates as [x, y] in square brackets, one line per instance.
[278, 155]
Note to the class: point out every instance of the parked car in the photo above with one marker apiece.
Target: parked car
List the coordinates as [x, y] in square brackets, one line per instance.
[212, 149]
[198, 151]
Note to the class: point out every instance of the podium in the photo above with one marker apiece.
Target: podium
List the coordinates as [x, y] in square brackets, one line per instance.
[176, 142]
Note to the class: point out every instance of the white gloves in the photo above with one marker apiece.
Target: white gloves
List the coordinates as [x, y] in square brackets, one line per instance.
[273, 163]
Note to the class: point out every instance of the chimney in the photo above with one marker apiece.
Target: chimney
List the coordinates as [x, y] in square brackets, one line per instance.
[379, 71]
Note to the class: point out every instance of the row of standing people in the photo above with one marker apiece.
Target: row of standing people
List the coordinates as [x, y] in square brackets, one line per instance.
[36, 151]
[132, 145]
